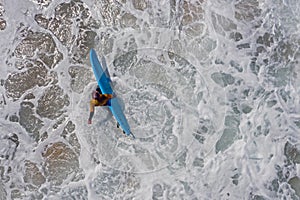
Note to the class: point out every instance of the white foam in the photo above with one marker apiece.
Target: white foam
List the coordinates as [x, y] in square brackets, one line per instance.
[165, 148]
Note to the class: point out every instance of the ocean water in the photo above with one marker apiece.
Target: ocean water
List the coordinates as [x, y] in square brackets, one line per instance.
[211, 90]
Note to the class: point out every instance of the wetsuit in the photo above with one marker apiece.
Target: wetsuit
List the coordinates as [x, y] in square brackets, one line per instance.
[98, 100]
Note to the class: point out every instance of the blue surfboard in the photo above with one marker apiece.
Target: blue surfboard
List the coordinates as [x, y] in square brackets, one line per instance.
[104, 83]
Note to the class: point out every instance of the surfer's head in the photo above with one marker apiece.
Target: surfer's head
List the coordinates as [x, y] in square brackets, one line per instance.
[98, 90]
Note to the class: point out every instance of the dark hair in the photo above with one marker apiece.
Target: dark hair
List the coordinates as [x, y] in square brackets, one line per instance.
[98, 90]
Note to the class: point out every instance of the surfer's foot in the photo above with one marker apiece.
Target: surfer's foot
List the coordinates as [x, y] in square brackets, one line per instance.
[89, 121]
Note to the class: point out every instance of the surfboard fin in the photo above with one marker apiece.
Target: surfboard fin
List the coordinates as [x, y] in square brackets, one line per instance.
[131, 134]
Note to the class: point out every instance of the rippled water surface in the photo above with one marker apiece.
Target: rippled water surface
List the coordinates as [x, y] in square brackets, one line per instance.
[211, 90]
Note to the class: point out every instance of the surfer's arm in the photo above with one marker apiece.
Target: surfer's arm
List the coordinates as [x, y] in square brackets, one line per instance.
[109, 96]
[91, 117]
[92, 107]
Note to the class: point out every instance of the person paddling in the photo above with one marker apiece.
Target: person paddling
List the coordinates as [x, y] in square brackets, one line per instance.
[98, 99]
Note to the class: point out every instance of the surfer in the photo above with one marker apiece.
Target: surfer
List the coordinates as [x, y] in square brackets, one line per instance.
[98, 99]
